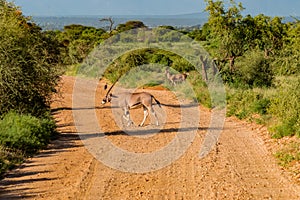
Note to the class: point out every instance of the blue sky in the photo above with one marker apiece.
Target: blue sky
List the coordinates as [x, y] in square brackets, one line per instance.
[149, 7]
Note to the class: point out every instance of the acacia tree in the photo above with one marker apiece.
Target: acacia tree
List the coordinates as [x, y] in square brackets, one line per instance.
[288, 60]
[227, 30]
[111, 22]
[232, 38]
[269, 34]
[130, 25]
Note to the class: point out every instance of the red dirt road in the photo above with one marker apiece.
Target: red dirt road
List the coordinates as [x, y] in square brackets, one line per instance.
[241, 166]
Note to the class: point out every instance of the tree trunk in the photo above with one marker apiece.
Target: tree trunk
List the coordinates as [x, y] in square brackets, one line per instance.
[204, 73]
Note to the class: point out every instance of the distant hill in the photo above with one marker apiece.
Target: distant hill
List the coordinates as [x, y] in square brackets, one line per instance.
[179, 21]
[291, 19]
[200, 15]
[183, 20]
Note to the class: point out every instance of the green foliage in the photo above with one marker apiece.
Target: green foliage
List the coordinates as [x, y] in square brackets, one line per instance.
[226, 28]
[160, 58]
[196, 35]
[244, 104]
[28, 64]
[253, 70]
[288, 61]
[269, 33]
[29, 73]
[181, 64]
[232, 38]
[171, 36]
[72, 70]
[143, 75]
[261, 105]
[130, 25]
[25, 132]
[9, 158]
[200, 88]
[79, 41]
[279, 107]
[285, 108]
[289, 154]
[145, 56]
[251, 52]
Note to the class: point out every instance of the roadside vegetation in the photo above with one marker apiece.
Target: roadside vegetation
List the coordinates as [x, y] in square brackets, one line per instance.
[258, 58]
[29, 60]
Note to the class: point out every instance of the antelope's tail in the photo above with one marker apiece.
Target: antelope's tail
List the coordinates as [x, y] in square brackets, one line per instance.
[158, 103]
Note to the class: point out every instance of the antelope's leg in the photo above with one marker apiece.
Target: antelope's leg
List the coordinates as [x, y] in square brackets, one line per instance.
[173, 81]
[127, 117]
[145, 115]
[154, 114]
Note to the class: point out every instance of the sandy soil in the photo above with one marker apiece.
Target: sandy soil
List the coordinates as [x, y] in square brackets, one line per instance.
[240, 166]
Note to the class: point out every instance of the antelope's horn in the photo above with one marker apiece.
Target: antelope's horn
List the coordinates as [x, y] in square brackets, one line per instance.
[112, 86]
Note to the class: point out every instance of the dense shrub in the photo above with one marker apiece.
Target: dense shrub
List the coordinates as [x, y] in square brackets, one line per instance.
[245, 103]
[200, 88]
[28, 64]
[130, 25]
[285, 108]
[25, 132]
[79, 41]
[289, 154]
[29, 73]
[253, 70]
[288, 60]
[9, 158]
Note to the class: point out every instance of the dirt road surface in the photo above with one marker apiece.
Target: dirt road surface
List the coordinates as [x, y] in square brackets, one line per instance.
[240, 166]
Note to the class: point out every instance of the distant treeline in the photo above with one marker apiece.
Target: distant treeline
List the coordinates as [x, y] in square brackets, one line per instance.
[58, 23]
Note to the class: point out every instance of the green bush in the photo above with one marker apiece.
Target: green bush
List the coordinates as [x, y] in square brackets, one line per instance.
[245, 103]
[288, 154]
[287, 62]
[29, 62]
[254, 70]
[200, 88]
[260, 105]
[9, 158]
[25, 132]
[285, 108]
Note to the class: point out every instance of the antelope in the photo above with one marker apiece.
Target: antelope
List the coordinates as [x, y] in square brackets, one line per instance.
[175, 78]
[130, 100]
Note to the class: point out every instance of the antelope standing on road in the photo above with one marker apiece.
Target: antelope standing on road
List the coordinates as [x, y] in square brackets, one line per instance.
[175, 78]
[129, 101]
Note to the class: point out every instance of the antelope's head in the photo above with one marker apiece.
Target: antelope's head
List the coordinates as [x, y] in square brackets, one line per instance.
[167, 71]
[106, 99]
[109, 95]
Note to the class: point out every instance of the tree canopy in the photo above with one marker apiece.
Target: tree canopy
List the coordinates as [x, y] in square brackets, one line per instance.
[28, 63]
